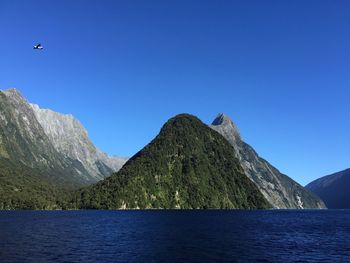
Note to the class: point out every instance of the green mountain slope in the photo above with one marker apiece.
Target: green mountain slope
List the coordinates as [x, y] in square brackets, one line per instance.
[25, 188]
[188, 165]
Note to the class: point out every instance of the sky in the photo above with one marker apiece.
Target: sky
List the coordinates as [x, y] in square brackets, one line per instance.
[279, 69]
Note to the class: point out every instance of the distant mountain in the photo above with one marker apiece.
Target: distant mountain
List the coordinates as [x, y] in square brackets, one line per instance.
[333, 189]
[188, 165]
[48, 146]
[280, 190]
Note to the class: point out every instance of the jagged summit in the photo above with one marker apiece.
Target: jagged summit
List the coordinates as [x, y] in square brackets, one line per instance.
[11, 91]
[14, 93]
[222, 118]
[224, 125]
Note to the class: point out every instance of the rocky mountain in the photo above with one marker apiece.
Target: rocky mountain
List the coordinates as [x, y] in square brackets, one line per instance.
[280, 190]
[24, 142]
[70, 138]
[187, 165]
[54, 144]
[333, 189]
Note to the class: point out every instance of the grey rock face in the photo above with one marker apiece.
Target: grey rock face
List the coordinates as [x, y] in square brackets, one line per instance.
[56, 145]
[70, 138]
[22, 137]
[280, 190]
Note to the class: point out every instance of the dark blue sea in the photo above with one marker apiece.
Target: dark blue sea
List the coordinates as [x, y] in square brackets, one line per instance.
[175, 236]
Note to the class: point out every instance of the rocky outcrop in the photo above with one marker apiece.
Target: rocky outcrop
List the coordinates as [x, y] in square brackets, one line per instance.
[280, 190]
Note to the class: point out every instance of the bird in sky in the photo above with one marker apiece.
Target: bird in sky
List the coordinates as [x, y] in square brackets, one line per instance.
[38, 46]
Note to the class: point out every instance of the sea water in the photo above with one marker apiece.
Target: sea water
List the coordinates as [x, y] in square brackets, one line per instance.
[175, 236]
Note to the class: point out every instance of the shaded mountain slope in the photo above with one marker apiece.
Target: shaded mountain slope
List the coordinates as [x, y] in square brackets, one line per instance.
[333, 189]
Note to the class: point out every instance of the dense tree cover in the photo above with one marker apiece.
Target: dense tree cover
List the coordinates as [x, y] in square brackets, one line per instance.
[188, 165]
[25, 188]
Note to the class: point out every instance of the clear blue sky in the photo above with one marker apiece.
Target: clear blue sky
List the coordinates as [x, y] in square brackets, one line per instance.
[280, 69]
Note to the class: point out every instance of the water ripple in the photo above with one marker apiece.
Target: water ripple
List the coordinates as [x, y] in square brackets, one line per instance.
[175, 236]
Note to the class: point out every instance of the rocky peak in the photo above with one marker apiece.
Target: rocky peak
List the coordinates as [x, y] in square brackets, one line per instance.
[224, 125]
[22, 115]
[221, 119]
[12, 91]
[14, 95]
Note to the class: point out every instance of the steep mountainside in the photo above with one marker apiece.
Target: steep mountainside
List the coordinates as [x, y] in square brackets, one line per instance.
[280, 190]
[188, 165]
[24, 142]
[333, 189]
[70, 138]
[27, 137]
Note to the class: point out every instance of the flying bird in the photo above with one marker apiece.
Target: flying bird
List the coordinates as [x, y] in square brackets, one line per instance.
[38, 46]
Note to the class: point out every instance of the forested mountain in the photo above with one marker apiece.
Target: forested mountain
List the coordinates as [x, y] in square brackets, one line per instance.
[45, 155]
[188, 165]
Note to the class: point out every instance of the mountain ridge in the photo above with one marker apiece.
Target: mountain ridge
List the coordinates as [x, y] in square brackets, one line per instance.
[56, 147]
[280, 190]
[70, 137]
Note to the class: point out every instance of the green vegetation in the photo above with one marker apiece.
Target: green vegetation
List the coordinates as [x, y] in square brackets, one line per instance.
[25, 188]
[188, 165]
